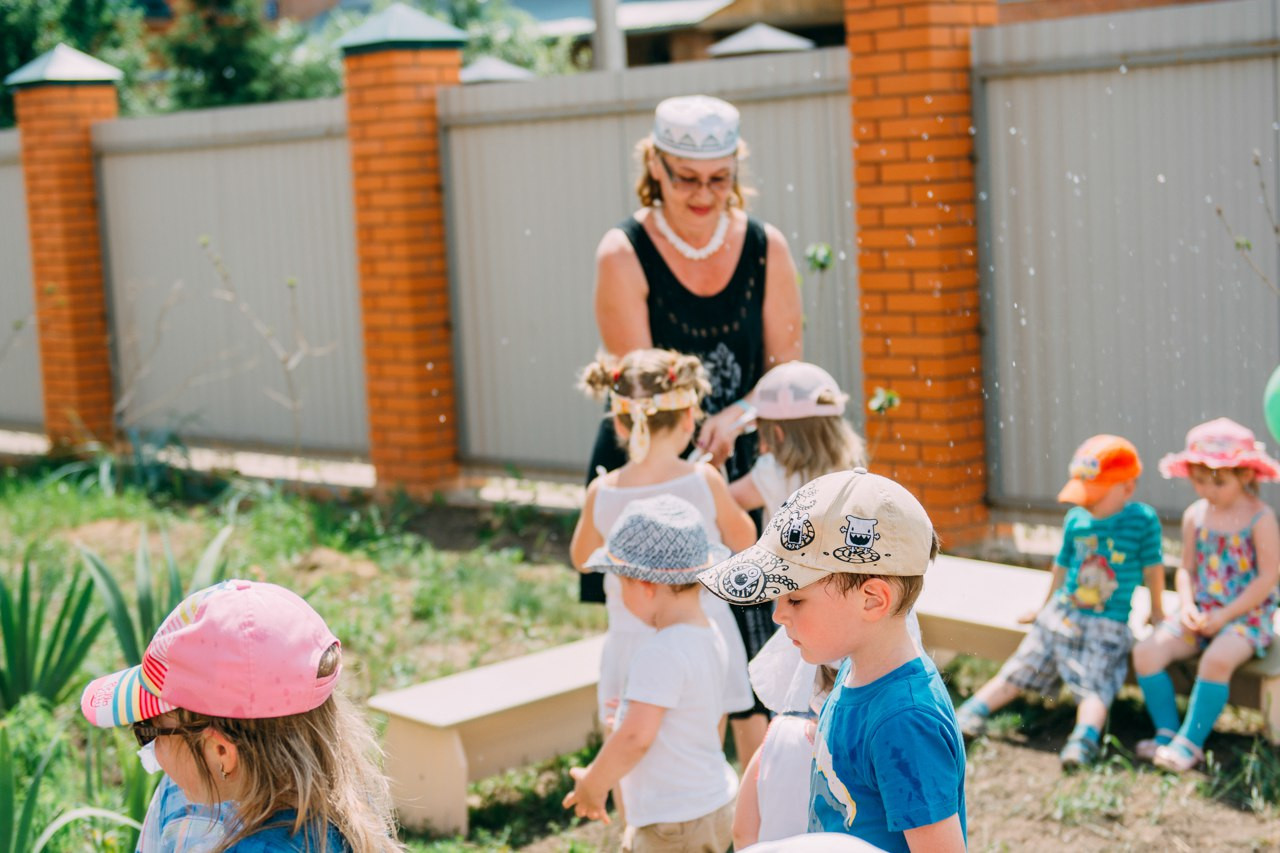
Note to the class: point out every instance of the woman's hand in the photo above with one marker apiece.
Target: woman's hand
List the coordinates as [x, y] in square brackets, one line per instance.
[720, 431]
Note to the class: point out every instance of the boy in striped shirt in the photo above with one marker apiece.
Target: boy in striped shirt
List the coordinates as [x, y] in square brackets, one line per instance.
[1080, 636]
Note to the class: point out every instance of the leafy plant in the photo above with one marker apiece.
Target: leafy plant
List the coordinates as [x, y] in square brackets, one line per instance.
[17, 816]
[40, 657]
[153, 603]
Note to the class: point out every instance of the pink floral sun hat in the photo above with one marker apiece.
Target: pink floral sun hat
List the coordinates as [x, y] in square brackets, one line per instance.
[1221, 443]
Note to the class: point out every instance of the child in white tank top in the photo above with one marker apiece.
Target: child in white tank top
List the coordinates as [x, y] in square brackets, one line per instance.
[654, 399]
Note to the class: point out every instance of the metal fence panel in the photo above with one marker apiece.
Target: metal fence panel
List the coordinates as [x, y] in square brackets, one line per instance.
[1115, 299]
[269, 188]
[538, 171]
[21, 393]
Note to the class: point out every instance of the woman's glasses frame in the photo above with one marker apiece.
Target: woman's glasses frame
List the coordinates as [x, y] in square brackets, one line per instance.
[718, 184]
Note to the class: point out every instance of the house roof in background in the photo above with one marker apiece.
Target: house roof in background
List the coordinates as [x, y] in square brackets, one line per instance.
[575, 17]
[491, 69]
[759, 38]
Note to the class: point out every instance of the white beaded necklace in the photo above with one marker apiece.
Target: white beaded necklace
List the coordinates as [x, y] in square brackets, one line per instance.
[717, 239]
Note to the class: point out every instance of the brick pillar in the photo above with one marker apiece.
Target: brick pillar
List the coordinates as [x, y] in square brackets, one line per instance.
[58, 98]
[395, 64]
[917, 247]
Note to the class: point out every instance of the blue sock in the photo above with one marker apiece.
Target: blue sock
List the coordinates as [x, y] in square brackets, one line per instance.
[1207, 701]
[1162, 706]
[1085, 731]
[974, 705]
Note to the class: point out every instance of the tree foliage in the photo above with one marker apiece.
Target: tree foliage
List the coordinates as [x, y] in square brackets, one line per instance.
[110, 30]
[222, 52]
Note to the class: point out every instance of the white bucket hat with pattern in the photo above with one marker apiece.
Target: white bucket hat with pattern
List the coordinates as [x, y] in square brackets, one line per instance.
[660, 540]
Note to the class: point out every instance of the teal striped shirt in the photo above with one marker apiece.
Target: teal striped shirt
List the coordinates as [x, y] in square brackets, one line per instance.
[1104, 558]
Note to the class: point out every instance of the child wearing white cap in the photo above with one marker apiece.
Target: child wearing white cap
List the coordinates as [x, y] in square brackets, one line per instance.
[845, 559]
[799, 415]
[665, 750]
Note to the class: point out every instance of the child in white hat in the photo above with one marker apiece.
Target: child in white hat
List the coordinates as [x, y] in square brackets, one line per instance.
[665, 749]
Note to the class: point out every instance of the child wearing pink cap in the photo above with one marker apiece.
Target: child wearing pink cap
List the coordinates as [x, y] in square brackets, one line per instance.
[1226, 586]
[799, 415]
[234, 700]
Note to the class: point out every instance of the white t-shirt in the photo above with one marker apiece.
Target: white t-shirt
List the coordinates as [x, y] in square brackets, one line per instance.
[773, 483]
[684, 774]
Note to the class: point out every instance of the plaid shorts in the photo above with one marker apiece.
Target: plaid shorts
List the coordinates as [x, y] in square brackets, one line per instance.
[1090, 654]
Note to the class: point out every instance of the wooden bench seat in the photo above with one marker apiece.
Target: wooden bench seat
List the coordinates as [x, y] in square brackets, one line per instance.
[454, 730]
[972, 607]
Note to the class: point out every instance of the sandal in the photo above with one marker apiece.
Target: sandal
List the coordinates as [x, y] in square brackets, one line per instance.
[1078, 752]
[1178, 756]
[1146, 749]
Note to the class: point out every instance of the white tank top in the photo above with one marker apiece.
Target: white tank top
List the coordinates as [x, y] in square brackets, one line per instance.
[609, 504]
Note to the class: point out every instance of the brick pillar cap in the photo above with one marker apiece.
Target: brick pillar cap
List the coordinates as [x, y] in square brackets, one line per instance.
[63, 64]
[401, 26]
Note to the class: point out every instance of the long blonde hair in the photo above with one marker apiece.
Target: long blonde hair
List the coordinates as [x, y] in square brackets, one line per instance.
[812, 447]
[321, 763]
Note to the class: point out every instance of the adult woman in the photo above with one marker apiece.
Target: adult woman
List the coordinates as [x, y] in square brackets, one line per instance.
[690, 271]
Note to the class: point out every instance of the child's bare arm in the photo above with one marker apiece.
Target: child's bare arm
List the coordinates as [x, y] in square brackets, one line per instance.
[1188, 614]
[746, 814]
[945, 836]
[621, 752]
[746, 494]
[737, 530]
[1153, 577]
[586, 538]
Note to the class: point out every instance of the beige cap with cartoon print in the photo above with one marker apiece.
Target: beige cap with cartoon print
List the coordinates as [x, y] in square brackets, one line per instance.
[850, 521]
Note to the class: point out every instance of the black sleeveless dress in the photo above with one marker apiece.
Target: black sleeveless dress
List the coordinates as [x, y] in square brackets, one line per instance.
[726, 331]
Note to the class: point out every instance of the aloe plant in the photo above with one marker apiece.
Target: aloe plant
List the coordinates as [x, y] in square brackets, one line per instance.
[154, 599]
[38, 657]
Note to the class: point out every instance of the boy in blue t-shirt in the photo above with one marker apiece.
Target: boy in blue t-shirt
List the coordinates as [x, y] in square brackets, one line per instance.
[845, 559]
[1081, 635]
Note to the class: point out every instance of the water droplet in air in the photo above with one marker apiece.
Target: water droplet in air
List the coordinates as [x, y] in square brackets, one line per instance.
[1159, 179]
[1124, 69]
[1013, 131]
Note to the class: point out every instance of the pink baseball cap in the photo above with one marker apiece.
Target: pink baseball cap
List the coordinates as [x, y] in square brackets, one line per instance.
[797, 389]
[239, 649]
[1221, 443]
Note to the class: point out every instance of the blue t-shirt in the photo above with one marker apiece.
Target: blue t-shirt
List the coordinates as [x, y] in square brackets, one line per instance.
[887, 757]
[1104, 558]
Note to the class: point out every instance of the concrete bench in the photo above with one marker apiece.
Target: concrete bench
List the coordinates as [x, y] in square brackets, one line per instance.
[446, 733]
[972, 607]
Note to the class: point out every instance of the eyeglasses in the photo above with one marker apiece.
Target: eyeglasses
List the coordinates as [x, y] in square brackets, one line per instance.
[717, 183]
[145, 732]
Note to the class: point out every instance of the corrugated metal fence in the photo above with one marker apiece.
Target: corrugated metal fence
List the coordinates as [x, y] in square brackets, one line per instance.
[1115, 300]
[21, 398]
[269, 189]
[538, 171]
